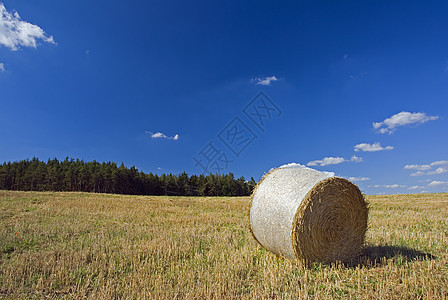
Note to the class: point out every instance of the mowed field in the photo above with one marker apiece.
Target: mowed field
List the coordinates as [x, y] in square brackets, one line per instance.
[76, 245]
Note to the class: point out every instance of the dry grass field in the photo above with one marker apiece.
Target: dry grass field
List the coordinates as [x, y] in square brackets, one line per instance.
[80, 245]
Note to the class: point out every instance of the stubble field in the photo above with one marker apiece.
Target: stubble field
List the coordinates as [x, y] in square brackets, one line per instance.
[100, 246]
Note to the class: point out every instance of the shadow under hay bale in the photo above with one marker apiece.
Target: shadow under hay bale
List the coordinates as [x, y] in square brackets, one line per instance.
[376, 256]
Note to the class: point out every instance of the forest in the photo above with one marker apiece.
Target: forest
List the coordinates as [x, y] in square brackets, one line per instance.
[108, 177]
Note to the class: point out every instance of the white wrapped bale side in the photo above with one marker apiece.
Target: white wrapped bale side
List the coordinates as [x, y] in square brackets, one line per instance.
[301, 213]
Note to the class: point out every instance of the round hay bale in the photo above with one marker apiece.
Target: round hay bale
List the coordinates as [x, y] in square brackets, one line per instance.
[304, 214]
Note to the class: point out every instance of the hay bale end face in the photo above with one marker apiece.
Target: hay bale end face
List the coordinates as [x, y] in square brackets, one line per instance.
[304, 214]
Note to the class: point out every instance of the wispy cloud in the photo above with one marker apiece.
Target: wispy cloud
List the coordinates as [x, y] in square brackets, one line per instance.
[358, 178]
[333, 161]
[326, 161]
[417, 167]
[418, 173]
[401, 119]
[387, 186]
[2, 67]
[371, 147]
[424, 180]
[443, 168]
[355, 158]
[415, 187]
[439, 170]
[264, 80]
[15, 33]
[438, 184]
[159, 135]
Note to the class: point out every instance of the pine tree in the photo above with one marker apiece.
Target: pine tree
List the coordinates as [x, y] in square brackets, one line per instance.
[71, 175]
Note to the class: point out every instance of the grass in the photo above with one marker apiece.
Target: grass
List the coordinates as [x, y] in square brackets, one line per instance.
[76, 245]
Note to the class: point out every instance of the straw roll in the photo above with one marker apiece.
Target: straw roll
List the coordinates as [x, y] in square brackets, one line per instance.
[304, 214]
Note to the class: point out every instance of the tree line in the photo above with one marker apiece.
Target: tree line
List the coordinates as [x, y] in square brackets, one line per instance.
[80, 176]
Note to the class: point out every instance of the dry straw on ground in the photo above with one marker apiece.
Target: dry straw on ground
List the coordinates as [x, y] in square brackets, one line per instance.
[304, 214]
[100, 246]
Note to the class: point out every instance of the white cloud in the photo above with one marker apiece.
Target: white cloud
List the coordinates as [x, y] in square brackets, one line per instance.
[159, 135]
[401, 119]
[326, 161]
[387, 186]
[333, 161]
[439, 162]
[2, 67]
[438, 183]
[418, 173]
[371, 147]
[391, 186]
[264, 80]
[414, 187]
[440, 170]
[15, 33]
[358, 178]
[417, 167]
[424, 180]
[356, 159]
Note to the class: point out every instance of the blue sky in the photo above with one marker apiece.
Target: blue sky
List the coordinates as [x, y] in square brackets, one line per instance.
[359, 88]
